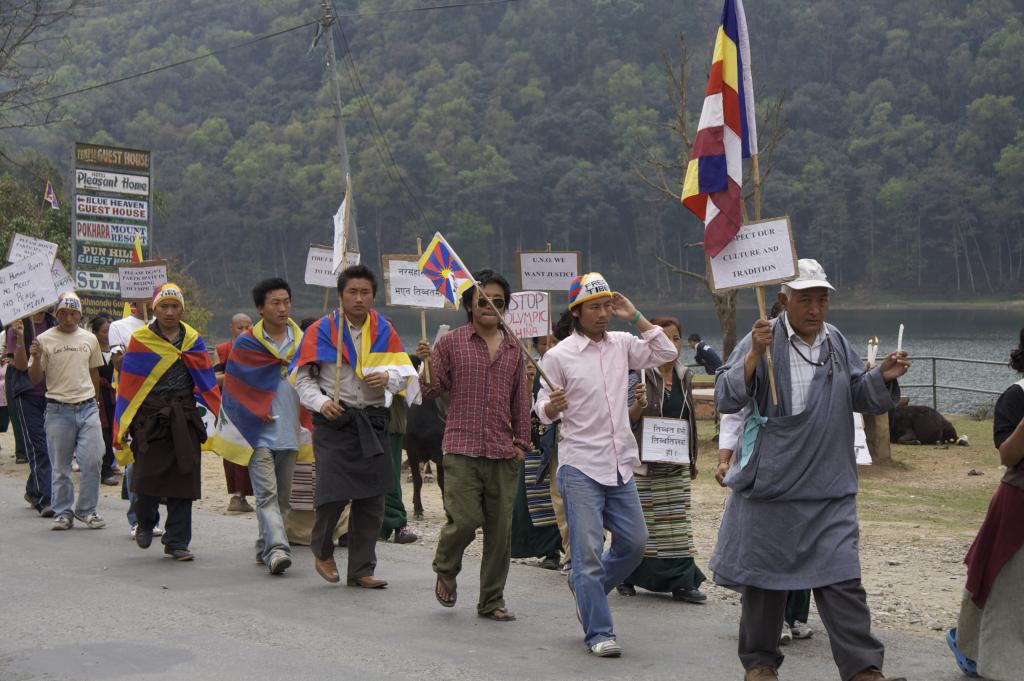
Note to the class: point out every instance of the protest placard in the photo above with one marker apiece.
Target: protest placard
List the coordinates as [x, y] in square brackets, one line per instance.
[26, 287]
[23, 246]
[320, 266]
[406, 286]
[62, 280]
[665, 441]
[528, 314]
[548, 271]
[762, 253]
[140, 279]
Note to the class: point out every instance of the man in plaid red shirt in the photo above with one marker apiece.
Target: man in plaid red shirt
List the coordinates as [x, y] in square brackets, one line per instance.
[487, 431]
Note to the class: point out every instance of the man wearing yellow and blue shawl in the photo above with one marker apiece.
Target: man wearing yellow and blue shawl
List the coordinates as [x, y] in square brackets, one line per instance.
[262, 404]
[349, 396]
[166, 368]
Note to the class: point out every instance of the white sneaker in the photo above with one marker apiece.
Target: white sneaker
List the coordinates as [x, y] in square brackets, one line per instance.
[74, 466]
[801, 630]
[62, 522]
[158, 531]
[609, 648]
[787, 635]
[93, 521]
[131, 532]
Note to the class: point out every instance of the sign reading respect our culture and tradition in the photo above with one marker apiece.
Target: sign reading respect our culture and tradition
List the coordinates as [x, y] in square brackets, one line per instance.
[23, 246]
[320, 267]
[544, 271]
[528, 314]
[26, 287]
[762, 253]
[406, 286]
[665, 441]
[138, 280]
[113, 196]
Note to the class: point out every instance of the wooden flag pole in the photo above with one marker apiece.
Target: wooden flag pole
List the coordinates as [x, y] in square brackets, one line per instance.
[755, 170]
[529, 357]
[346, 216]
[551, 324]
[423, 319]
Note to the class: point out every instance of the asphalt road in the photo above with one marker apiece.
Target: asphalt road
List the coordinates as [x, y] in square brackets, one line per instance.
[87, 605]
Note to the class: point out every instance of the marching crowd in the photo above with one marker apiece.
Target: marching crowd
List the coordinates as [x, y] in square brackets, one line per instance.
[544, 455]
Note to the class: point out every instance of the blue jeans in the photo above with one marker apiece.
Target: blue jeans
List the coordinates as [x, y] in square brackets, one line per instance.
[270, 471]
[71, 430]
[590, 508]
[32, 412]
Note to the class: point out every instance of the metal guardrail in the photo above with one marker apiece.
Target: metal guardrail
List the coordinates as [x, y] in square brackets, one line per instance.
[936, 386]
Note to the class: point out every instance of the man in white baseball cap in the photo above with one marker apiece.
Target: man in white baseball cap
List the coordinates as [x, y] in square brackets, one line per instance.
[792, 524]
[69, 357]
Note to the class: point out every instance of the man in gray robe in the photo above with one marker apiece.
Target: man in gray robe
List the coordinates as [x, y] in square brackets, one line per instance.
[791, 522]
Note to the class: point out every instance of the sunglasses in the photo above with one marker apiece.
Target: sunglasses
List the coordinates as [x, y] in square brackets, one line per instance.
[499, 303]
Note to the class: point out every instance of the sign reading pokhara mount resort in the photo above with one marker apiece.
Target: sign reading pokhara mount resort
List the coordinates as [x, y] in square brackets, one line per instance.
[761, 254]
[113, 195]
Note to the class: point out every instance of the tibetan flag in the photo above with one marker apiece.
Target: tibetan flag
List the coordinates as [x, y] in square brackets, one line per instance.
[146, 360]
[442, 266]
[137, 250]
[726, 134]
[380, 348]
[50, 197]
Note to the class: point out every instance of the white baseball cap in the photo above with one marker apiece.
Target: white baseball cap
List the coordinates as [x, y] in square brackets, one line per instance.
[812, 275]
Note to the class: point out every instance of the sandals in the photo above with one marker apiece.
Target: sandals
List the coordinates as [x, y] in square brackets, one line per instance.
[499, 615]
[445, 596]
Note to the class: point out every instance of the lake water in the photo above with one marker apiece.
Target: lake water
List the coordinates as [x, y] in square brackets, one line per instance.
[955, 333]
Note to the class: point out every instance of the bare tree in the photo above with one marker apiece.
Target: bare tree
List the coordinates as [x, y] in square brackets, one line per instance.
[665, 176]
[27, 59]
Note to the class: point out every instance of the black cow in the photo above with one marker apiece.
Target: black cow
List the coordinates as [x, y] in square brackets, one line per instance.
[423, 434]
[915, 425]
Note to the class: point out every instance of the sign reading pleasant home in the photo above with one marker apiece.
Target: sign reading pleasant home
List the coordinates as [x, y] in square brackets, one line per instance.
[762, 253]
[23, 246]
[139, 280]
[98, 180]
[406, 286]
[26, 287]
[543, 271]
[527, 314]
[665, 441]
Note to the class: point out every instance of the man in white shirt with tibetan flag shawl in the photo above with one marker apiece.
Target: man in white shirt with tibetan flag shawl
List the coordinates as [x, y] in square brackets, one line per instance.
[349, 397]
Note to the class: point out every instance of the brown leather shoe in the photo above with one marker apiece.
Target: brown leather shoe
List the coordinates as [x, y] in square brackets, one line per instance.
[368, 582]
[872, 674]
[328, 569]
[761, 673]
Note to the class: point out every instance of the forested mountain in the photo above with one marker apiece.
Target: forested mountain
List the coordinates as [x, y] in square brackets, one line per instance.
[517, 124]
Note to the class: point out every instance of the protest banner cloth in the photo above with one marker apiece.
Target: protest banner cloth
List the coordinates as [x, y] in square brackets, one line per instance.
[23, 246]
[26, 287]
[139, 280]
[665, 440]
[529, 314]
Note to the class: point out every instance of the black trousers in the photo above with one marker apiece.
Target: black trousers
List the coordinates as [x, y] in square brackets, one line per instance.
[364, 523]
[843, 609]
[177, 525]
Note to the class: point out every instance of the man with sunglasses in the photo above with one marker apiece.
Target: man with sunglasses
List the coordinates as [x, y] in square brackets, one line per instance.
[487, 431]
[792, 522]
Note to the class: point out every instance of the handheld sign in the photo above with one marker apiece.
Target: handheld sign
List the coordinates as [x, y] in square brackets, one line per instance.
[23, 246]
[548, 271]
[26, 287]
[665, 441]
[140, 279]
[762, 253]
[528, 314]
[62, 280]
[320, 267]
[406, 286]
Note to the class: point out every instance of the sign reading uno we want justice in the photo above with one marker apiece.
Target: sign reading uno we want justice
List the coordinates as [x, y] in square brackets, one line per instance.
[113, 194]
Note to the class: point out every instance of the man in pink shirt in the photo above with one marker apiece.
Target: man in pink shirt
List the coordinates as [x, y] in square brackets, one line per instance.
[597, 453]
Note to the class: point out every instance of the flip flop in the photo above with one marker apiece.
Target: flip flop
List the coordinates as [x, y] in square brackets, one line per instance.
[493, 615]
[441, 590]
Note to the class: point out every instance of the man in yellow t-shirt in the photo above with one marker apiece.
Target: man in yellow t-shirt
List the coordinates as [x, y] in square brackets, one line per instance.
[69, 356]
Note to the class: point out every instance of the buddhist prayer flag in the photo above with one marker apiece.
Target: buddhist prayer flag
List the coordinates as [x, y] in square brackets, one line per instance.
[50, 197]
[442, 266]
[726, 134]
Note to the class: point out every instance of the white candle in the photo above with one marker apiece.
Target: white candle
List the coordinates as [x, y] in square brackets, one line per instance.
[899, 340]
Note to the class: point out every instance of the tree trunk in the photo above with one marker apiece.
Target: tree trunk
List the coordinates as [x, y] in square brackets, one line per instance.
[725, 310]
[967, 259]
[981, 259]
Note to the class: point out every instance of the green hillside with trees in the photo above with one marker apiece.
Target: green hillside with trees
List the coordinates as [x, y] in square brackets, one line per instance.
[511, 125]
